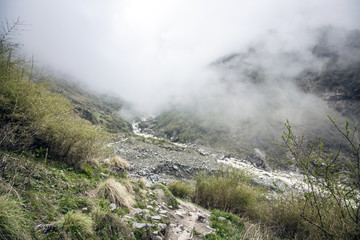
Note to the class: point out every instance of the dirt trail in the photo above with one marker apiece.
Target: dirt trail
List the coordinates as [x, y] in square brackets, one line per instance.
[188, 220]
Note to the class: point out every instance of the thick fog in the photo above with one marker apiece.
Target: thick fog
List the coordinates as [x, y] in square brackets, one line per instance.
[161, 52]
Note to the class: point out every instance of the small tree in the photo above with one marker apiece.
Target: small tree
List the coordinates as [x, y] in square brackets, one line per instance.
[331, 203]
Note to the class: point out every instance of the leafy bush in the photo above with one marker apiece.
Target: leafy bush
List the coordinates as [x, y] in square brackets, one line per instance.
[14, 222]
[227, 190]
[181, 189]
[331, 200]
[78, 225]
[114, 192]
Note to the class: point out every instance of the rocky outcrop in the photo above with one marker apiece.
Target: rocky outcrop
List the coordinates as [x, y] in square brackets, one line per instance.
[258, 159]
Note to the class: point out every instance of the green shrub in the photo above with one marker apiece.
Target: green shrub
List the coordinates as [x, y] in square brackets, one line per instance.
[228, 190]
[331, 204]
[77, 225]
[281, 215]
[181, 189]
[14, 222]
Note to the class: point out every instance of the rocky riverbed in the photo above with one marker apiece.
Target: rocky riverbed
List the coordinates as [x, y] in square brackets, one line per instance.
[159, 161]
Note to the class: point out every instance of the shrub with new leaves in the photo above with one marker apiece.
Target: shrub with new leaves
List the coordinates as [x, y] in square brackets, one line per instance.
[331, 205]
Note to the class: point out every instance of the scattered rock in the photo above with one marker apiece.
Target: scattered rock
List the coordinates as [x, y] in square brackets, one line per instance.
[162, 228]
[112, 207]
[156, 218]
[203, 152]
[164, 212]
[46, 228]
[137, 225]
[201, 218]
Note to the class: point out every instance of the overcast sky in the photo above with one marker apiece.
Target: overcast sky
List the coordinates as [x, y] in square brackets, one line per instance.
[152, 51]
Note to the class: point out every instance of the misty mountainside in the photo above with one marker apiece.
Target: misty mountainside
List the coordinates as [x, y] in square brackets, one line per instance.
[100, 109]
[260, 88]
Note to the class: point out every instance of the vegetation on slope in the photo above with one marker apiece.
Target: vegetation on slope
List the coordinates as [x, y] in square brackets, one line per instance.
[46, 192]
[100, 110]
[32, 118]
[328, 207]
[46, 161]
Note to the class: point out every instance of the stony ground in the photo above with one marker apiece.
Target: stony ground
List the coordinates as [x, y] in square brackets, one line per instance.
[160, 161]
[186, 221]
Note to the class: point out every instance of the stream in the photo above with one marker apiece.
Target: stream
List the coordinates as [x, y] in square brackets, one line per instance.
[210, 158]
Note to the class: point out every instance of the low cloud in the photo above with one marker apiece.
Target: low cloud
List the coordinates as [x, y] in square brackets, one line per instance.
[155, 53]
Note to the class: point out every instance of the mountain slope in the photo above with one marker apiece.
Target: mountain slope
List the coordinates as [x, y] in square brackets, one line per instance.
[262, 87]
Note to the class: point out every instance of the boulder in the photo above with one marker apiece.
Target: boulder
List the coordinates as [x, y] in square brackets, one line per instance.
[258, 159]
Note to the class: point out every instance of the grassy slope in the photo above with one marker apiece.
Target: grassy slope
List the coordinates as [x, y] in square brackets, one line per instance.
[102, 110]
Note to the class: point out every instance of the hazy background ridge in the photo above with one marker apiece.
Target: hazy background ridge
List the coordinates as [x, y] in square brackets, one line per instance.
[156, 52]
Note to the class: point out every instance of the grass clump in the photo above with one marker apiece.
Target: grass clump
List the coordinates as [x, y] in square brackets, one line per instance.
[181, 189]
[119, 163]
[227, 190]
[14, 222]
[142, 182]
[115, 192]
[77, 225]
[110, 226]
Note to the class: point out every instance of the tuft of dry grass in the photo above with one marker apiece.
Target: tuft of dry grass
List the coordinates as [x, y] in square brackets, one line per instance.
[115, 192]
[142, 182]
[118, 162]
[129, 188]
